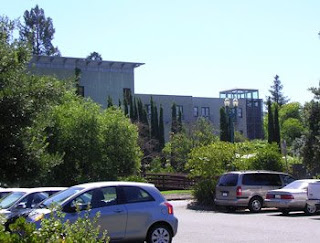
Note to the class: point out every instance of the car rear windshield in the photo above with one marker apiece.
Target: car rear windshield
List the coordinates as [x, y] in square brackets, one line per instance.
[228, 180]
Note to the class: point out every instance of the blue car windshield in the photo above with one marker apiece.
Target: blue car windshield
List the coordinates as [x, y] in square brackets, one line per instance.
[60, 197]
[11, 199]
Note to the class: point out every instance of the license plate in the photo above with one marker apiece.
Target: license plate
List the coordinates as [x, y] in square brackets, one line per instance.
[277, 196]
[224, 194]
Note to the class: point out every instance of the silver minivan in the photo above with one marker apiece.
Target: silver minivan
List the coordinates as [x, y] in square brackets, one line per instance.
[248, 189]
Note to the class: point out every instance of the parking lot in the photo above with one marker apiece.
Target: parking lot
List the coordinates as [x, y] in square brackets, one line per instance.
[243, 226]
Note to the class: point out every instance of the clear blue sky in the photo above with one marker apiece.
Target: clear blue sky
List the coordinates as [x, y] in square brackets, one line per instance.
[193, 48]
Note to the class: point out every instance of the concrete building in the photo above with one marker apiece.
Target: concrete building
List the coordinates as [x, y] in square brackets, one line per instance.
[100, 79]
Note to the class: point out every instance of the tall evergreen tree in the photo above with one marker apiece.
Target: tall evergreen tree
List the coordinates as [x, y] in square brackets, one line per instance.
[174, 124]
[109, 102]
[276, 92]
[125, 105]
[224, 131]
[154, 120]
[38, 31]
[276, 126]
[311, 148]
[270, 122]
[161, 129]
[179, 122]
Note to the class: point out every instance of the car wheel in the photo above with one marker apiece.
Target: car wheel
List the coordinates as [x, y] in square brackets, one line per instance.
[285, 211]
[309, 209]
[255, 204]
[159, 234]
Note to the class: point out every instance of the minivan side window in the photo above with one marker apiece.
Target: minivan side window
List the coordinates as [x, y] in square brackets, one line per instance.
[287, 179]
[228, 180]
[261, 179]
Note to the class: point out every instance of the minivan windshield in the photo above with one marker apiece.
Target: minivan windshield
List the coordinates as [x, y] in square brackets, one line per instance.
[60, 197]
[11, 199]
[228, 180]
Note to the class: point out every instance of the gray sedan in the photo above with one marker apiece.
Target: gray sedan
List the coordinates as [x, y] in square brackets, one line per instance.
[292, 197]
[128, 210]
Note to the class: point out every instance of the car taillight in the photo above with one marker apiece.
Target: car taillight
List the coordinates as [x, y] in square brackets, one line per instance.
[239, 191]
[169, 207]
[269, 196]
[287, 197]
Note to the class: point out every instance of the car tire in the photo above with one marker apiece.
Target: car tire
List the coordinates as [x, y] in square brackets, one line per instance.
[285, 211]
[159, 233]
[255, 204]
[310, 210]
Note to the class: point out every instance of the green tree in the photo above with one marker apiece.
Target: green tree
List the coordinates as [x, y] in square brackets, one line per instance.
[267, 158]
[96, 145]
[25, 104]
[291, 129]
[202, 133]
[271, 131]
[311, 148]
[109, 102]
[94, 56]
[161, 129]
[276, 126]
[38, 31]
[224, 131]
[174, 122]
[276, 92]
[211, 160]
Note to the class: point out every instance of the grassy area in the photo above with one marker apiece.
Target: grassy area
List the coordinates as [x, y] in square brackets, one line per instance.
[176, 192]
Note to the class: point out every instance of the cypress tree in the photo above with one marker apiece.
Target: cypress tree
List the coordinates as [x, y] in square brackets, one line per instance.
[125, 104]
[270, 122]
[276, 126]
[174, 118]
[223, 125]
[161, 129]
[179, 123]
[109, 102]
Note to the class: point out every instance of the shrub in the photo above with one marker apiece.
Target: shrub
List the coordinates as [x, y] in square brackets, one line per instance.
[204, 191]
[55, 229]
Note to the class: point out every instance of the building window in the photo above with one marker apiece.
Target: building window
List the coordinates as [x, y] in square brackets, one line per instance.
[195, 111]
[205, 111]
[80, 90]
[180, 109]
[239, 110]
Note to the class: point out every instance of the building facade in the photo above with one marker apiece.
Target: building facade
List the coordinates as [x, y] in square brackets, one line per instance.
[99, 80]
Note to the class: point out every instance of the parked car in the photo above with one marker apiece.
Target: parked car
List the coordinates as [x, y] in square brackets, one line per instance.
[248, 189]
[292, 197]
[6, 191]
[128, 210]
[25, 198]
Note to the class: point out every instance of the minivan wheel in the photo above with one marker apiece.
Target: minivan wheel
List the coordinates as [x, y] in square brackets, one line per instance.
[309, 209]
[255, 204]
[159, 234]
